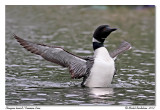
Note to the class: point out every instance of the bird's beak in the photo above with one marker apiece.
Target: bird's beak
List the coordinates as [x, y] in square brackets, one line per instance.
[111, 29]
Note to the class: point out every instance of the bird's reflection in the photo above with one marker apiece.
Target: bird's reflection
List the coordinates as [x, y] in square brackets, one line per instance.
[101, 92]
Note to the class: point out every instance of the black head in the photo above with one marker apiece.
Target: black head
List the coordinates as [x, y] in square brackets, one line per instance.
[102, 32]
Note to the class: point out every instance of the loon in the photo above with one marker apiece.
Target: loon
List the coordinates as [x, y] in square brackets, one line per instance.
[96, 71]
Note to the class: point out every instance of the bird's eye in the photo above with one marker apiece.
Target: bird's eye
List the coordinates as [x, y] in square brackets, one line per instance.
[104, 29]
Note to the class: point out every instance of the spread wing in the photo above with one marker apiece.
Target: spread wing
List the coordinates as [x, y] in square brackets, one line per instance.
[77, 66]
[124, 46]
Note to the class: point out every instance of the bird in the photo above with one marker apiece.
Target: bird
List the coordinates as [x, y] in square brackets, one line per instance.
[97, 70]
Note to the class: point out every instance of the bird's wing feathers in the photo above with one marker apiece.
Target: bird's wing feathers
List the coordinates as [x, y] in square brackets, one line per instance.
[124, 46]
[77, 66]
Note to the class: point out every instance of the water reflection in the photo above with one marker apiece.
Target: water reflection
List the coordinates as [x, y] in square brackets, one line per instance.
[103, 93]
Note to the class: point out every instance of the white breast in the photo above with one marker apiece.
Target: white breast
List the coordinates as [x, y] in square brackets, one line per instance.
[102, 70]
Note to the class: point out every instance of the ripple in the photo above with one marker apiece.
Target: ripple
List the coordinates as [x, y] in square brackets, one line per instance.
[141, 96]
[125, 102]
[152, 74]
[30, 89]
[34, 69]
[33, 99]
[71, 95]
[13, 65]
[133, 91]
[143, 51]
[41, 94]
[120, 94]
[150, 91]
[147, 64]
[75, 101]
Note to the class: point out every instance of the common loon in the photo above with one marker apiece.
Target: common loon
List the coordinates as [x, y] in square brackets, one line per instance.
[96, 71]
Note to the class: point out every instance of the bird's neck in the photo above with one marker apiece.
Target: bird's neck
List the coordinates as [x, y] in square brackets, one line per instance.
[96, 44]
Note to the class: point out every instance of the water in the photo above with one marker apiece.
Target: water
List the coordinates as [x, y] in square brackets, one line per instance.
[30, 80]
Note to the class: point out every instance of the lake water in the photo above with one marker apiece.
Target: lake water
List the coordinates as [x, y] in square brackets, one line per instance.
[30, 80]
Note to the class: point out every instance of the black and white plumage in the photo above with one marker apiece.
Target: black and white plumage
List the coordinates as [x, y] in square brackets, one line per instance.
[81, 67]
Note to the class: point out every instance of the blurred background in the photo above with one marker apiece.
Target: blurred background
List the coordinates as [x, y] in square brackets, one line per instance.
[30, 80]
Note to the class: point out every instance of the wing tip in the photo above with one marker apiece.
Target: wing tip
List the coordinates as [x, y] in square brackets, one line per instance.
[18, 38]
[127, 44]
[15, 36]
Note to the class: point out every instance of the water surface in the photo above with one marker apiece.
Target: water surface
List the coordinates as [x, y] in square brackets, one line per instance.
[30, 80]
